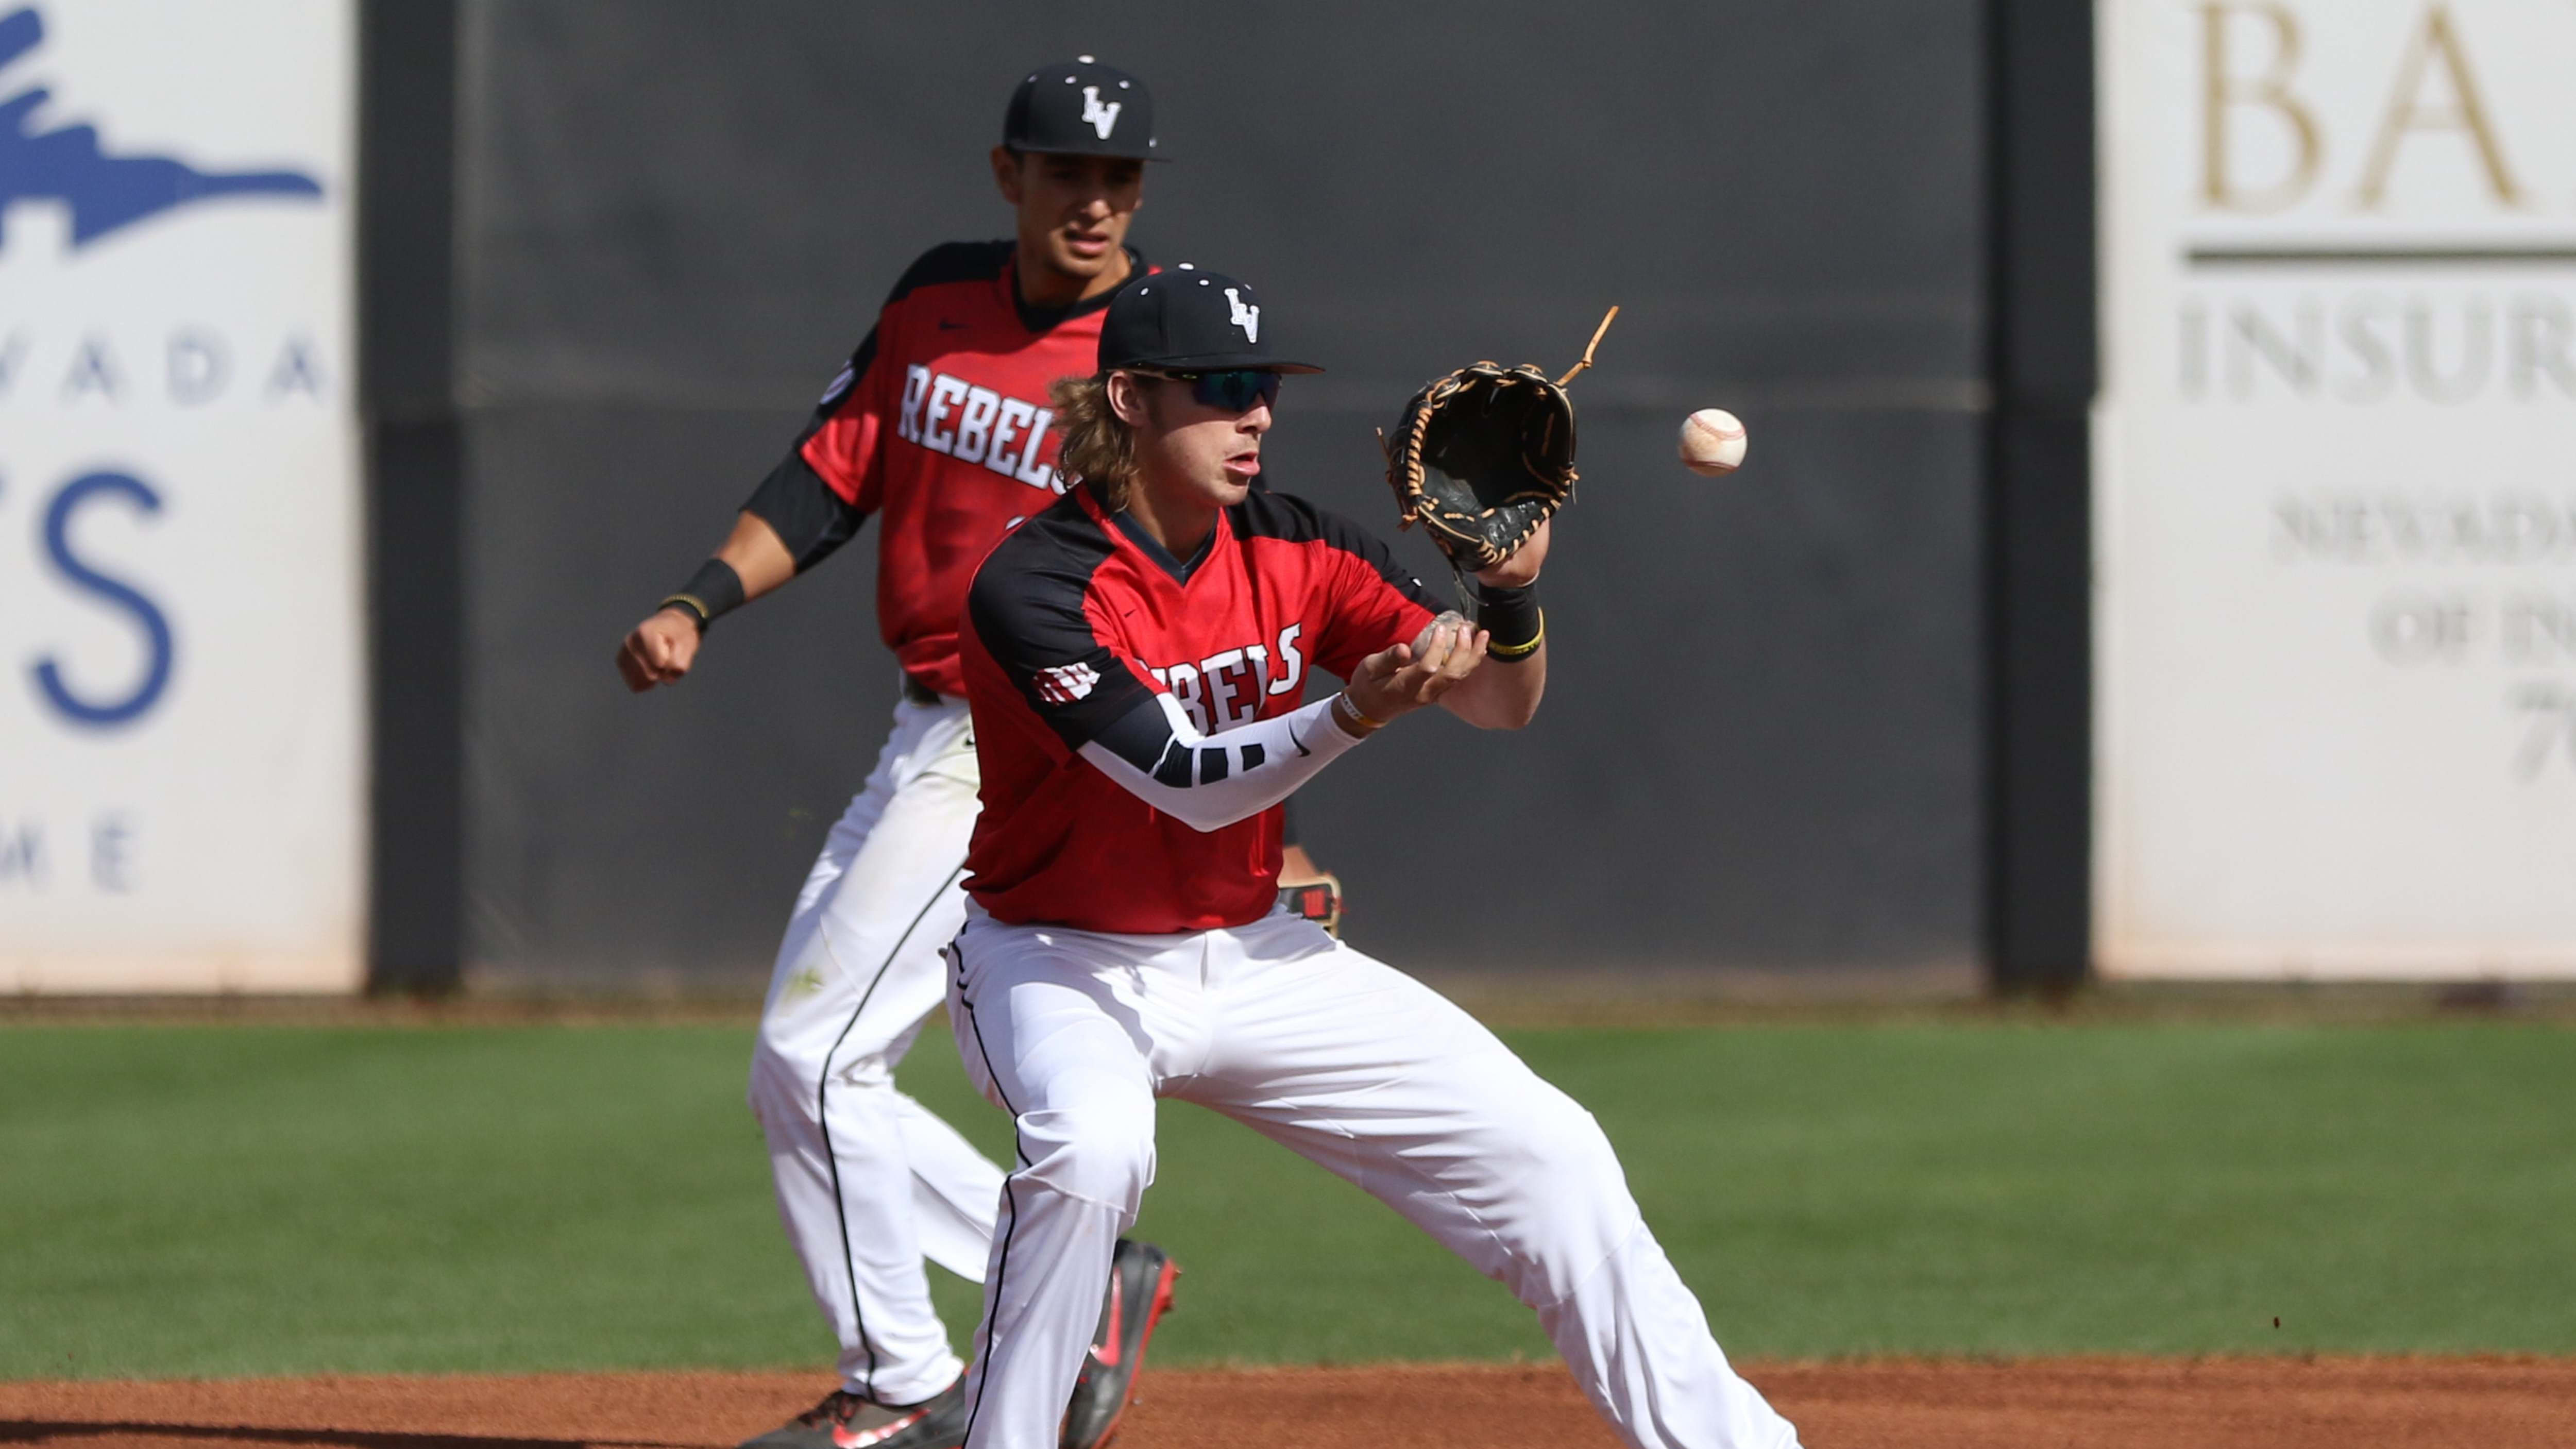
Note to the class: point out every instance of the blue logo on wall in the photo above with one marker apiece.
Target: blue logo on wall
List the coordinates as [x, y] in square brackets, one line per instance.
[145, 615]
[106, 193]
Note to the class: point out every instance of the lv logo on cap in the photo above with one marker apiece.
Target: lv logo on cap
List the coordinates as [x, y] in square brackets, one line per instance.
[1103, 119]
[1247, 318]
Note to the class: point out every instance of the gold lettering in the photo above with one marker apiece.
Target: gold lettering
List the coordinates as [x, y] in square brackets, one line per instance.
[2406, 113]
[2222, 91]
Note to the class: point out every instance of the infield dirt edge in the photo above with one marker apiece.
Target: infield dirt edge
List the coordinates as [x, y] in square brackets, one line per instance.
[2296, 1402]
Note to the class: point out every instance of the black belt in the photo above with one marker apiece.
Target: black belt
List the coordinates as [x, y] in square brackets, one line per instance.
[917, 692]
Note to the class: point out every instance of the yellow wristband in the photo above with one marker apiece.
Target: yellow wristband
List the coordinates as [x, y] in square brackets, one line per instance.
[1354, 723]
[1509, 652]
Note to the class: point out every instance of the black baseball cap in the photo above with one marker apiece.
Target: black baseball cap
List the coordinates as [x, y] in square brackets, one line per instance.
[1083, 108]
[1188, 320]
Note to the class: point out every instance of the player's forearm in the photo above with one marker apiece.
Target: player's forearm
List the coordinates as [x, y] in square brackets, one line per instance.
[1501, 695]
[750, 563]
[1208, 782]
[757, 555]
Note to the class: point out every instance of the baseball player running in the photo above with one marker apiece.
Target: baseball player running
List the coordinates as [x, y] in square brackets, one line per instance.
[1135, 658]
[940, 425]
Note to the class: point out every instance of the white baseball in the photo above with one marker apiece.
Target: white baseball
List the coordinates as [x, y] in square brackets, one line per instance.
[1712, 442]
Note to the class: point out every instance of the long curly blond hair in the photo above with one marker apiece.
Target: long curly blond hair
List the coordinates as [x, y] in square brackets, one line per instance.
[1098, 447]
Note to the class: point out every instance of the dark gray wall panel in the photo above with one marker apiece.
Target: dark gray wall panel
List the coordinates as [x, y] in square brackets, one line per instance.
[1756, 747]
[613, 833]
[677, 199]
[1761, 743]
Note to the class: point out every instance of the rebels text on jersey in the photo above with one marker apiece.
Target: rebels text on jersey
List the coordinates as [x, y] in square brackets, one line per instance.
[1089, 647]
[939, 426]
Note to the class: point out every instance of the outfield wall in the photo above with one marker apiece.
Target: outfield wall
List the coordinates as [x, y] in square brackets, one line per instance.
[1761, 743]
[182, 742]
[2337, 517]
[1843, 709]
[607, 254]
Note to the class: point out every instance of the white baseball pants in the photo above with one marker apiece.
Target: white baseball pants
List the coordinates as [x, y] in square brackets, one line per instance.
[869, 1182]
[1353, 1065]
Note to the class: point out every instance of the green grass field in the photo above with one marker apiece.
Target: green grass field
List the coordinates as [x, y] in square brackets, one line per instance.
[209, 1200]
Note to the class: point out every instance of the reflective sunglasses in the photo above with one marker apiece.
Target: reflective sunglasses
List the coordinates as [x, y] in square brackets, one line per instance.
[1234, 390]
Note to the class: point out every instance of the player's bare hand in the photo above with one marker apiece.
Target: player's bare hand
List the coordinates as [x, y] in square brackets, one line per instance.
[1522, 567]
[659, 650]
[1405, 678]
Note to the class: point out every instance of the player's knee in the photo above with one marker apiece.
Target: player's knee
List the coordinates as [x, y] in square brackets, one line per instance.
[789, 1085]
[1566, 1143]
[1559, 1199]
[788, 1042]
[1542, 1135]
[1100, 1149]
[773, 1089]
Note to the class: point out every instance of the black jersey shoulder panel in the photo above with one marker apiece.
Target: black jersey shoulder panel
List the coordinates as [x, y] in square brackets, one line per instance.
[1061, 534]
[1027, 607]
[1266, 513]
[1285, 516]
[952, 262]
[852, 373]
[1028, 593]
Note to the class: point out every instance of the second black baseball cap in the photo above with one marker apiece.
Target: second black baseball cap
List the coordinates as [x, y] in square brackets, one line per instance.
[1081, 107]
[1189, 320]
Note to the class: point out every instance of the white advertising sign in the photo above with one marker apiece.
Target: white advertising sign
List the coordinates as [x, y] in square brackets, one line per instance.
[181, 687]
[2336, 489]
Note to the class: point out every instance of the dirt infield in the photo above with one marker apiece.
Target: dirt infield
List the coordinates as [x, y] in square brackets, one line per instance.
[2097, 1403]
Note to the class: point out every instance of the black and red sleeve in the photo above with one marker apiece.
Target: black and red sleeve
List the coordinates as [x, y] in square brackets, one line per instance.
[810, 513]
[827, 485]
[1029, 607]
[1032, 612]
[1032, 608]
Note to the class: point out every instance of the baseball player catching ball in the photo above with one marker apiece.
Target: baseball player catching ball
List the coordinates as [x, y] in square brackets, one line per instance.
[1135, 657]
[940, 426]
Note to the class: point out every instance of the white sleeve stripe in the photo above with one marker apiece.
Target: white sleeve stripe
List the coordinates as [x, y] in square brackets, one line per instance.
[1208, 782]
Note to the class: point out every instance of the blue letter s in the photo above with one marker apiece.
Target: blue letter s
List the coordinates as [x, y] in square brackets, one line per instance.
[156, 676]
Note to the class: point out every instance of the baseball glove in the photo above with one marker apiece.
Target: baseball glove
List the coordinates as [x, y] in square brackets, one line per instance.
[1483, 456]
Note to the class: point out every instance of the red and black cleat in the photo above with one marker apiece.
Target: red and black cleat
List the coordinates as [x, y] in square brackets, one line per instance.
[1140, 1293]
[845, 1420]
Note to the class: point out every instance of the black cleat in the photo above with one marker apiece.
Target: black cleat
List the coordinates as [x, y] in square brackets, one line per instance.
[845, 1420]
[1140, 1293]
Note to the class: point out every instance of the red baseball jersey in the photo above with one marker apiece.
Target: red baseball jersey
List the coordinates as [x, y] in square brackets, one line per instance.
[939, 426]
[1081, 627]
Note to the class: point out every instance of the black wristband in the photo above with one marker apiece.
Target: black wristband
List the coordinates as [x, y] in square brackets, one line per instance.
[712, 592]
[1512, 618]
